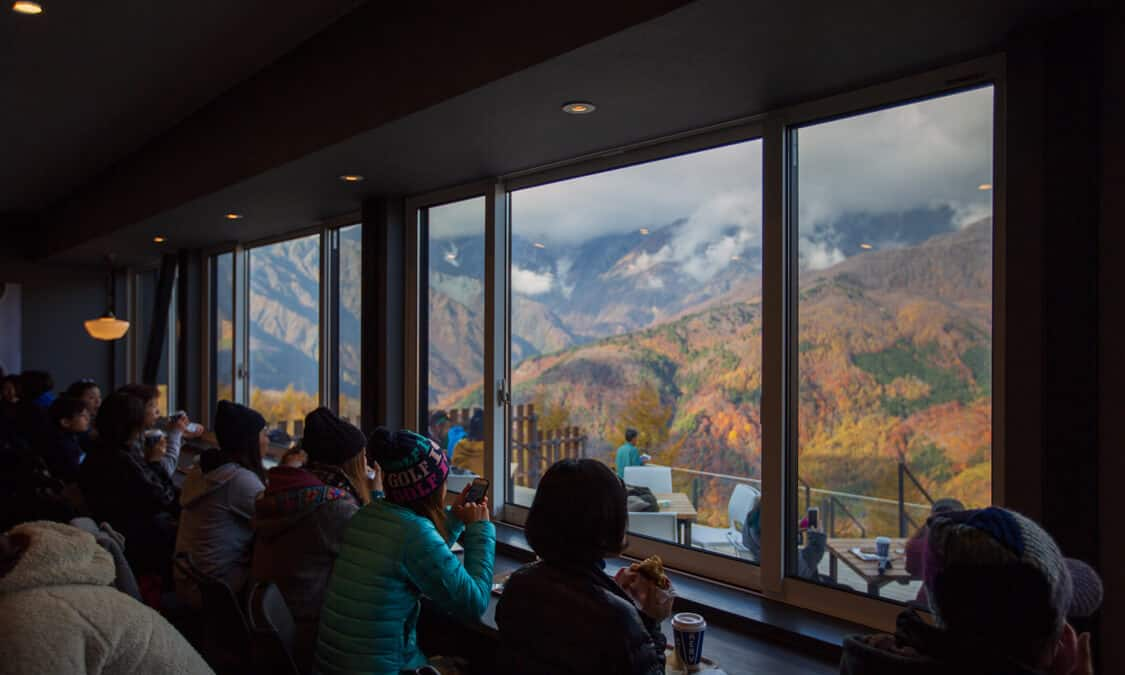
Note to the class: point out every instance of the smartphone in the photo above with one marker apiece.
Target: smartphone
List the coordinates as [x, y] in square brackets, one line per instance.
[477, 490]
[814, 518]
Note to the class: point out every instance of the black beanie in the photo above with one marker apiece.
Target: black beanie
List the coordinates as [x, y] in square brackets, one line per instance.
[237, 427]
[329, 439]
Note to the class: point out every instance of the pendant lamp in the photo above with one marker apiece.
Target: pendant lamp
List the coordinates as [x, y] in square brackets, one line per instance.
[108, 327]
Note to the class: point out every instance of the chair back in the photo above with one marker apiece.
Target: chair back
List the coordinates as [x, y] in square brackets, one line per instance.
[655, 525]
[656, 478]
[742, 502]
[273, 630]
[225, 623]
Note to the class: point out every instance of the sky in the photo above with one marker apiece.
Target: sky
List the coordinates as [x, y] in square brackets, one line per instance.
[856, 176]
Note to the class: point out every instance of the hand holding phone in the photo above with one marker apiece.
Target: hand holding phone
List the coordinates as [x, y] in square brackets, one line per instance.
[477, 490]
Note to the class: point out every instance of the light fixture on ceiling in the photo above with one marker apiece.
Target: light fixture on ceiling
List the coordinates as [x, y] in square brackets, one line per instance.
[579, 108]
[107, 326]
[867, 247]
[984, 187]
[158, 240]
[644, 231]
[351, 177]
[27, 7]
[233, 216]
[539, 245]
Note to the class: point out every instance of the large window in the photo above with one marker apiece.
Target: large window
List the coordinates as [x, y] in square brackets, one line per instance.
[782, 328]
[284, 331]
[636, 309]
[349, 308]
[894, 343]
[454, 329]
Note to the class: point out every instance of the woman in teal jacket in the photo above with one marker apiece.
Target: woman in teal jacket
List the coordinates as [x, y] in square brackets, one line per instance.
[396, 549]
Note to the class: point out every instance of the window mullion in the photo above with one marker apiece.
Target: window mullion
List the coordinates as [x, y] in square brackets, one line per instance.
[774, 372]
[496, 337]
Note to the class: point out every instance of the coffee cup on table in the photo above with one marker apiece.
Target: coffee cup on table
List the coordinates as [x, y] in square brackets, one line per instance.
[883, 552]
[688, 630]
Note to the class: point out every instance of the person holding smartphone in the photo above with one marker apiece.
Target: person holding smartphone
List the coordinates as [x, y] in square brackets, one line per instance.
[396, 550]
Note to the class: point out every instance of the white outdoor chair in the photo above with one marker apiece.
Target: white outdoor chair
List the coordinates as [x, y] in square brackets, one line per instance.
[742, 501]
[655, 525]
[656, 478]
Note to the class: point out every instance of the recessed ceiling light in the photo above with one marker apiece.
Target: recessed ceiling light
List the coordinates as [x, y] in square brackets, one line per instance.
[351, 178]
[579, 108]
[984, 186]
[158, 240]
[866, 246]
[27, 7]
[233, 216]
[539, 245]
[644, 230]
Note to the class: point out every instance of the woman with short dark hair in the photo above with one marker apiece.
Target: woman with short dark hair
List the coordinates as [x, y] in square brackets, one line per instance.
[124, 484]
[563, 614]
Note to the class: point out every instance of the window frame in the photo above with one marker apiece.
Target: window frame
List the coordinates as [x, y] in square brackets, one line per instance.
[328, 374]
[779, 335]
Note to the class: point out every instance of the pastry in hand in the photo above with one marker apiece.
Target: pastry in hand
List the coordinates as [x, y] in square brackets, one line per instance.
[653, 570]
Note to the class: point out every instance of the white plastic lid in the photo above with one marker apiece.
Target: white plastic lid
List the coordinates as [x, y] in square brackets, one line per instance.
[688, 621]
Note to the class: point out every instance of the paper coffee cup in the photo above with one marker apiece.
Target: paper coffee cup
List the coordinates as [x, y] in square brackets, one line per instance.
[688, 630]
[883, 547]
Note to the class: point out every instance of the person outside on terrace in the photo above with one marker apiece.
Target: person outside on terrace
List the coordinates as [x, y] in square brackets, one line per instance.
[629, 454]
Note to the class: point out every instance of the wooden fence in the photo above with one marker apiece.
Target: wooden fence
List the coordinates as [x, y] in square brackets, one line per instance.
[532, 448]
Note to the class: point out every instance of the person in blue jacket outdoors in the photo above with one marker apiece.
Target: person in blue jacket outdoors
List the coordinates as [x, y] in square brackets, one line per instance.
[629, 454]
[396, 550]
[445, 431]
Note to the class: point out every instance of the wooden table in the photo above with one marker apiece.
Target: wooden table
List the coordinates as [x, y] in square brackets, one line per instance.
[868, 570]
[679, 504]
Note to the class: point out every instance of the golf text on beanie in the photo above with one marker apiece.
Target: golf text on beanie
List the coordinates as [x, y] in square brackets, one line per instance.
[237, 427]
[329, 439]
[413, 466]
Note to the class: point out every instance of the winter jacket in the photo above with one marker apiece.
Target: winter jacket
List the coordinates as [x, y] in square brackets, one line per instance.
[114, 543]
[298, 527]
[63, 456]
[218, 505]
[918, 648]
[138, 499]
[59, 614]
[392, 556]
[470, 456]
[557, 620]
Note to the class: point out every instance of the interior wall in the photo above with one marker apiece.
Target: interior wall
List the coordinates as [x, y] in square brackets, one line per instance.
[54, 339]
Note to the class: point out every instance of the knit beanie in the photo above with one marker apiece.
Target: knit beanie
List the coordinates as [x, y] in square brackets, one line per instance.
[237, 427]
[329, 439]
[994, 573]
[413, 466]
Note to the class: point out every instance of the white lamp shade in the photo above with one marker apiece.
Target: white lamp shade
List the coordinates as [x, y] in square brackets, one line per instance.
[107, 327]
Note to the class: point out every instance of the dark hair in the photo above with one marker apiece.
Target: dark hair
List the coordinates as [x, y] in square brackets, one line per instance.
[145, 392]
[35, 383]
[120, 418]
[65, 408]
[630, 435]
[14, 379]
[437, 417]
[432, 508]
[579, 514]
[476, 425]
[79, 388]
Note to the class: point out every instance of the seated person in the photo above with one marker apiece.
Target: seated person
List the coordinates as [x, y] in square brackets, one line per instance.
[470, 449]
[445, 432]
[563, 614]
[396, 550]
[176, 428]
[59, 612]
[629, 454]
[124, 484]
[218, 502]
[299, 520]
[1001, 593]
[70, 419]
[87, 390]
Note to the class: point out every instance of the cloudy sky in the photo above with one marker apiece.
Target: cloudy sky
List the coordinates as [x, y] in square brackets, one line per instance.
[863, 178]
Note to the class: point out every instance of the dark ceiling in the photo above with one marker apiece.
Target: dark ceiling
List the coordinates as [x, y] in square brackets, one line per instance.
[707, 62]
[87, 83]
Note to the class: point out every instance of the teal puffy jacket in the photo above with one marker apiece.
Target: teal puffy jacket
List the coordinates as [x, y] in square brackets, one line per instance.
[390, 555]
